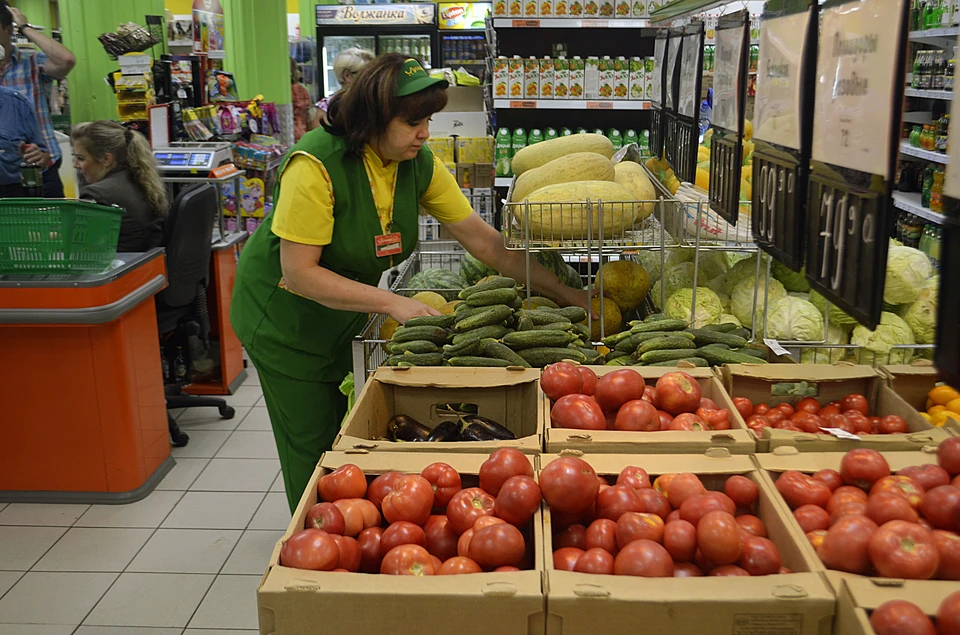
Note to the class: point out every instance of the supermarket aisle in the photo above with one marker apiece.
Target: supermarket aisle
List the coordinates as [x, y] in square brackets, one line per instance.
[184, 561]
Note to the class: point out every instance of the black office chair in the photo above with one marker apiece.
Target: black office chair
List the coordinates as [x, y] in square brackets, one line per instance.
[182, 306]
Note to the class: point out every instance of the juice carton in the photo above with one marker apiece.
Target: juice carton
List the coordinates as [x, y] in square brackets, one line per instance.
[591, 78]
[502, 152]
[536, 136]
[639, 9]
[591, 8]
[577, 78]
[605, 77]
[549, 133]
[598, 131]
[581, 131]
[561, 8]
[515, 75]
[653, 5]
[531, 78]
[623, 9]
[518, 142]
[648, 64]
[621, 78]
[630, 136]
[531, 8]
[547, 81]
[565, 132]
[500, 8]
[561, 78]
[615, 138]
[575, 8]
[546, 8]
[501, 78]
[606, 9]
[515, 8]
[710, 28]
[637, 77]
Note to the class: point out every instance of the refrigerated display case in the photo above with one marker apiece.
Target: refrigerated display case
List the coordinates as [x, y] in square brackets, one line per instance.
[463, 37]
[410, 29]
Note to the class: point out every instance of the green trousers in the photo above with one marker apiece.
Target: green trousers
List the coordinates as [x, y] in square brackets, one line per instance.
[306, 417]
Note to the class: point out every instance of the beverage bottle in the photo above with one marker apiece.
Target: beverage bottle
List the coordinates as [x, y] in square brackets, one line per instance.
[502, 152]
[565, 132]
[180, 365]
[914, 15]
[925, 241]
[31, 179]
[915, 81]
[927, 185]
[519, 141]
[936, 191]
[165, 366]
[951, 69]
[935, 249]
[915, 137]
[536, 136]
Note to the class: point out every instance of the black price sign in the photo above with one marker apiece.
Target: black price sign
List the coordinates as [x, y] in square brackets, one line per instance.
[948, 305]
[658, 120]
[729, 98]
[671, 85]
[690, 76]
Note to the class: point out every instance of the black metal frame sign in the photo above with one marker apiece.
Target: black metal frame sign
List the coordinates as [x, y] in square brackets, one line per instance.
[689, 79]
[859, 96]
[671, 86]
[658, 121]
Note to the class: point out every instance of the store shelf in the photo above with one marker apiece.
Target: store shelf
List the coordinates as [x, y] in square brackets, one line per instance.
[910, 202]
[930, 34]
[570, 104]
[920, 153]
[568, 23]
[929, 94]
[503, 181]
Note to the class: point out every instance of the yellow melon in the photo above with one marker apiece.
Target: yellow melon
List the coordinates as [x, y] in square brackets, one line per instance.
[626, 283]
[431, 299]
[611, 318]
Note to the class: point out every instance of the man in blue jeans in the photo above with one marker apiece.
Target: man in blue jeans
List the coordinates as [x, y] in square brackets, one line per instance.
[19, 137]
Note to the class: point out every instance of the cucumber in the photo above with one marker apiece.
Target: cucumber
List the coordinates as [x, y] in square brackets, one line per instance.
[572, 313]
[470, 347]
[664, 343]
[469, 360]
[467, 311]
[434, 334]
[416, 359]
[653, 317]
[460, 308]
[525, 324]
[726, 327]
[494, 296]
[556, 326]
[583, 331]
[652, 357]
[593, 355]
[618, 361]
[488, 285]
[637, 339]
[537, 339]
[614, 355]
[719, 356]
[490, 315]
[544, 356]
[742, 332]
[667, 324]
[444, 321]
[696, 361]
[496, 350]
[611, 341]
[495, 331]
[516, 304]
[755, 352]
[717, 345]
[540, 316]
[416, 346]
[703, 337]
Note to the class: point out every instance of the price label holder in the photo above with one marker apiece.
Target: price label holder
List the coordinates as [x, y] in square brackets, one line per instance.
[783, 128]
[859, 96]
[657, 119]
[689, 75]
[947, 354]
[729, 100]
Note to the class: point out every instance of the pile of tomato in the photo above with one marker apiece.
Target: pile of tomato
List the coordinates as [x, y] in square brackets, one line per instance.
[865, 520]
[900, 617]
[421, 524]
[851, 414]
[673, 527]
[621, 400]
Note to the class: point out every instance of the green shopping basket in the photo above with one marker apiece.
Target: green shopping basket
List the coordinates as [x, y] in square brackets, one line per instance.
[46, 236]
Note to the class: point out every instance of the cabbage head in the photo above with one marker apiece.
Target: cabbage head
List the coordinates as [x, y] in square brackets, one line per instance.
[907, 271]
[921, 315]
[708, 308]
[741, 301]
[711, 265]
[878, 344]
[835, 335]
[651, 262]
[794, 320]
[726, 318]
[836, 316]
[741, 270]
[791, 280]
[678, 277]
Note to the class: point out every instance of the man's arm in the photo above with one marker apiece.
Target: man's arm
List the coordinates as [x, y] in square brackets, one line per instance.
[60, 61]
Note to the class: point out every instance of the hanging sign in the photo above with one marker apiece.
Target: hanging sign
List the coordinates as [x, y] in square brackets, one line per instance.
[208, 28]
[380, 15]
[657, 118]
[859, 94]
[470, 15]
[683, 124]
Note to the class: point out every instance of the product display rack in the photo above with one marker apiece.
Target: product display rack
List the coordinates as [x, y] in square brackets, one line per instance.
[569, 23]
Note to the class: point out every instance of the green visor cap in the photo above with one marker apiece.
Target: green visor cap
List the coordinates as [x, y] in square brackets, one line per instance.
[412, 79]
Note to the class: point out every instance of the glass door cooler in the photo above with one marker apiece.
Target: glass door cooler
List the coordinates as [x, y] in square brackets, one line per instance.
[463, 36]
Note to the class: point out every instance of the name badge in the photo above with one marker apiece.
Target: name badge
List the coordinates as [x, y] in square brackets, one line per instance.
[388, 244]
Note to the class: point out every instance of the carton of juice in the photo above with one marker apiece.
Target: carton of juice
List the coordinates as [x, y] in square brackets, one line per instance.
[591, 8]
[547, 79]
[500, 8]
[546, 8]
[637, 77]
[530, 8]
[549, 133]
[561, 78]
[653, 5]
[502, 153]
[575, 8]
[639, 9]
[515, 8]
[577, 78]
[531, 78]
[648, 64]
[561, 8]
[621, 78]
[501, 78]
[615, 138]
[518, 142]
[604, 77]
[606, 9]
[623, 9]
[515, 74]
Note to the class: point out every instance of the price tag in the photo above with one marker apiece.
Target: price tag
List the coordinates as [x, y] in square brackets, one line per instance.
[780, 87]
[840, 433]
[526, 24]
[602, 24]
[523, 104]
[599, 105]
[774, 346]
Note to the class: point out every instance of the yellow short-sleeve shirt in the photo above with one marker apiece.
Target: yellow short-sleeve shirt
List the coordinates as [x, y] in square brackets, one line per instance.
[304, 212]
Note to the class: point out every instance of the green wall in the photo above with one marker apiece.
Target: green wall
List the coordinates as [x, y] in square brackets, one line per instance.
[37, 11]
[308, 16]
[257, 52]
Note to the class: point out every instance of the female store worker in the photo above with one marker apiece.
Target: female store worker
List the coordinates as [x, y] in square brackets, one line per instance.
[346, 211]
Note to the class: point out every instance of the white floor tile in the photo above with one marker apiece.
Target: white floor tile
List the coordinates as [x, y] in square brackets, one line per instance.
[253, 378]
[194, 419]
[21, 547]
[8, 579]
[2, 505]
[245, 396]
[278, 484]
[41, 514]
[94, 549]
[150, 599]
[230, 603]
[36, 629]
[126, 630]
[203, 444]
[148, 512]
[186, 551]
[252, 552]
[54, 598]
[183, 474]
[274, 513]
[257, 420]
[217, 631]
[237, 475]
[213, 510]
[249, 445]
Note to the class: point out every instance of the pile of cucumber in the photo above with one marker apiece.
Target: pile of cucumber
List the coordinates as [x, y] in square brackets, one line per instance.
[491, 328]
[662, 341]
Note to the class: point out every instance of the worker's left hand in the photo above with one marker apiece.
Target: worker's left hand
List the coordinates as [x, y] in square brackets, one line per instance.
[18, 18]
[33, 154]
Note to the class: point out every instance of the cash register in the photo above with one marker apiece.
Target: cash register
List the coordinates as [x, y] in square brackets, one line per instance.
[194, 159]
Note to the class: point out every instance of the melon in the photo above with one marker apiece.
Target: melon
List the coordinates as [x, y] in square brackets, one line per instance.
[626, 283]
[611, 318]
[442, 281]
[431, 299]
[472, 270]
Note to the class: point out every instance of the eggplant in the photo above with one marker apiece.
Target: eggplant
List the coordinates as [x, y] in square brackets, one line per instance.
[491, 427]
[446, 431]
[474, 432]
[404, 428]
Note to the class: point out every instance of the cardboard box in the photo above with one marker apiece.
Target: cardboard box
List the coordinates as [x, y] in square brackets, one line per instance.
[464, 99]
[827, 383]
[485, 173]
[474, 150]
[444, 148]
[466, 174]
[461, 124]
[798, 603]
[912, 382]
[510, 397]
[737, 440]
[294, 601]
[858, 598]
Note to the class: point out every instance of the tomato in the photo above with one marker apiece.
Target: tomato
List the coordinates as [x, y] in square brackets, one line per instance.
[696, 507]
[602, 534]
[411, 500]
[893, 424]
[759, 556]
[744, 406]
[875, 424]
[682, 487]
[558, 380]
[860, 422]
[787, 410]
[856, 402]
[486, 521]
[467, 506]
[457, 565]
[828, 411]
[674, 515]
[956, 481]
[816, 538]
[633, 526]
[901, 549]
[347, 481]
[614, 501]
[644, 558]
[717, 419]
[687, 422]
[501, 465]
[811, 518]
[703, 563]
[686, 570]
[886, 506]
[761, 409]
[678, 393]
[445, 481]
[408, 560]
[654, 502]
[757, 423]
[617, 388]
[441, 539]
[948, 546]
[369, 540]
[718, 537]
[326, 516]
[775, 416]
[845, 545]
[707, 404]
[941, 506]
[381, 486]
[569, 484]
[589, 380]
[899, 617]
[808, 404]
[358, 514]
[635, 477]
[565, 558]
[948, 615]
[637, 415]
[680, 540]
[350, 553]
[799, 489]
[848, 509]
[927, 476]
[948, 455]
[499, 545]
[863, 467]
[741, 490]
[831, 477]
[402, 533]
[595, 561]
[578, 412]
[844, 495]
[901, 486]
[650, 394]
[750, 524]
[518, 500]
[728, 570]
[572, 536]
[506, 569]
[611, 419]
[312, 549]
[463, 543]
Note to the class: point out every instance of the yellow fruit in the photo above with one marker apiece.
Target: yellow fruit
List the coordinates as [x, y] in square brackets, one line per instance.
[560, 210]
[612, 319]
[544, 152]
[431, 299]
[935, 410]
[537, 302]
[930, 404]
[579, 166]
[632, 177]
[926, 416]
[747, 129]
[449, 307]
[673, 184]
[943, 395]
[626, 283]
[388, 328]
[941, 418]
[703, 179]
[746, 189]
[747, 150]
[954, 405]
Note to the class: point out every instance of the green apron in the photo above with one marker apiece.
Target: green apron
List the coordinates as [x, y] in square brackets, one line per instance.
[301, 348]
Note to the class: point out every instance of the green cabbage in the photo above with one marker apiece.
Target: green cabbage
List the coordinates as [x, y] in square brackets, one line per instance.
[651, 262]
[677, 277]
[791, 280]
[921, 315]
[837, 316]
[741, 300]
[741, 270]
[708, 309]
[711, 264]
[878, 344]
[835, 335]
[726, 318]
[794, 320]
[907, 271]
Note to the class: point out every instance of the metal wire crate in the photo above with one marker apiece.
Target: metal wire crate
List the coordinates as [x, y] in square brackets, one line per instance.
[482, 200]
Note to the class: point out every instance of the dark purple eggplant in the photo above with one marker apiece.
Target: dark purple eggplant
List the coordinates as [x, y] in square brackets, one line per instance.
[446, 431]
[474, 432]
[404, 428]
[490, 426]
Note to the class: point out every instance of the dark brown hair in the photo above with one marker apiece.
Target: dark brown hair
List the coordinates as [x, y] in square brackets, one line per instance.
[362, 111]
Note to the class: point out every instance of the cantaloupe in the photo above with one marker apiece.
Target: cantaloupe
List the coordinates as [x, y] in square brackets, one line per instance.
[579, 166]
[546, 151]
[633, 177]
[560, 211]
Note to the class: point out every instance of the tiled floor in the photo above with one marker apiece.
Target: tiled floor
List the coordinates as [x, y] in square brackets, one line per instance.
[186, 560]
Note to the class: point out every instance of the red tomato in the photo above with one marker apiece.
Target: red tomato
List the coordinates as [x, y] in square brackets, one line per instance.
[808, 404]
[402, 533]
[674, 515]
[569, 484]
[441, 539]
[811, 423]
[948, 455]
[860, 422]
[718, 537]
[696, 507]
[844, 546]
[614, 501]
[506, 569]
[799, 489]
[358, 514]
[650, 394]
[411, 500]
[856, 402]
[900, 549]
[775, 416]
[602, 534]
[577, 412]
[654, 502]
[572, 536]
[844, 495]
[901, 486]
[744, 406]
[831, 477]
[326, 516]
[948, 545]
[687, 422]
[463, 543]
[617, 388]
[595, 561]
[678, 393]
[633, 526]
[486, 521]
[811, 518]
[467, 506]
[875, 424]
[686, 570]
[611, 419]
[886, 506]
[941, 506]
[863, 467]
[408, 560]
[787, 410]
[948, 615]
[750, 524]
[501, 465]
[589, 380]
[708, 404]
[518, 500]
[716, 419]
[682, 487]
[893, 424]
[644, 558]
[927, 476]
[848, 509]
[728, 570]
[637, 415]
[761, 409]
[565, 558]
[499, 545]
[312, 549]
[680, 540]
[558, 380]
[350, 553]
[445, 481]
[369, 540]
[828, 411]
[899, 617]
[381, 486]
[741, 490]
[635, 477]
[347, 481]
[457, 565]
[759, 556]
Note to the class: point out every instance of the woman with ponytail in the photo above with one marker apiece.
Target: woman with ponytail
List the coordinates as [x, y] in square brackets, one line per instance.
[120, 170]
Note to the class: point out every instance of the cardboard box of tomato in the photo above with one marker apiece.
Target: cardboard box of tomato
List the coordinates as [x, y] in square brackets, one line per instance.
[858, 600]
[737, 439]
[775, 384]
[799, 602]
[297, 601]
[507, 396]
